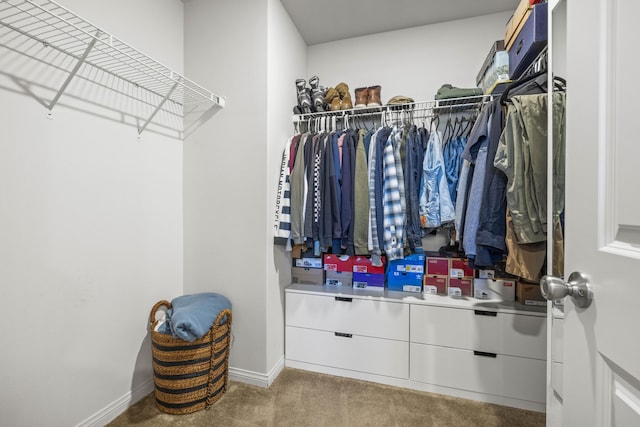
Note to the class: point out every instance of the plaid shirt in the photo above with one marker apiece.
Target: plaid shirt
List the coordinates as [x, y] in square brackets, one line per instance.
[393, 212]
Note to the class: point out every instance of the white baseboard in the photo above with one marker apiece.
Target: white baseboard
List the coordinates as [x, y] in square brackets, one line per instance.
[110, 412]
[256, 378]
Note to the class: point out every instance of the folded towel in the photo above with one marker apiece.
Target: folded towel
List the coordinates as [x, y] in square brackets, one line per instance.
[447, 91]
[192, 316]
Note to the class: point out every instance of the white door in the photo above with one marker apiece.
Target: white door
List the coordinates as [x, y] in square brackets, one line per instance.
[601, 381]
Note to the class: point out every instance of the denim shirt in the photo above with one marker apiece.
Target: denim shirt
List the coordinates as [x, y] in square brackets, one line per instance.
[436, 207]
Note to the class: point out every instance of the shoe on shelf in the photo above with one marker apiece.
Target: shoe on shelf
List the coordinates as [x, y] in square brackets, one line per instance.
[314, 82]
[336, 104]
[330, 94]
[317, 94]
[347, 104]
[345, 96]
[342, 88]
[362, 97]
[317, 97]
[304, 96]
[374, 96]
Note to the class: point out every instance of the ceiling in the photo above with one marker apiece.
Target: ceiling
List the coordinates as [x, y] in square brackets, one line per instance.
[321, 21]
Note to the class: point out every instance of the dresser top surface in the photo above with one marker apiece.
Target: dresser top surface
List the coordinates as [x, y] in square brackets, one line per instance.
[419, 298]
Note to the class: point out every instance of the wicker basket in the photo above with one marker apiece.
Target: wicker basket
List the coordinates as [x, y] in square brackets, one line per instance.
[190, 376]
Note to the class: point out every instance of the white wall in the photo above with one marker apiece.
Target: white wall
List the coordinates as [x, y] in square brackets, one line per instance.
[225, 169]
[413, 62]
[91, 231]
[93, 221]
[286, 63]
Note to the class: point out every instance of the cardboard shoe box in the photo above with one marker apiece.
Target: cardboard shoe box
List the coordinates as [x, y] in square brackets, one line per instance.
[460, 269]
[363, 264]
[515, 23]
[366, 275]
[306, 275]
[338, 278]
[460, 287]
[406, 274]
[529, 294]
[338, 270]
[435, 285]
[529, 42]
[502, 289]
[369, 281]
[338, 263]
[307, 262]
[438, 266]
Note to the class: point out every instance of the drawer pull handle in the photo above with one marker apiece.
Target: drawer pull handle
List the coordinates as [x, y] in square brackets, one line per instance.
[485, 313]
[484, 354]
[345, 299]
[343, 335]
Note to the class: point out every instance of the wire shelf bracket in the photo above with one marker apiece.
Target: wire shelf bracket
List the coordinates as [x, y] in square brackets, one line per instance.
[52, 26]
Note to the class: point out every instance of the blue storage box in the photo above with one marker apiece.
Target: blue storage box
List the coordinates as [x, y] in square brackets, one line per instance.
[368, 281]
[529, 42]
[406, 274]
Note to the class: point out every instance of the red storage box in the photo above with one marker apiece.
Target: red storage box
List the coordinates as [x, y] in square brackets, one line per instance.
[341, 263]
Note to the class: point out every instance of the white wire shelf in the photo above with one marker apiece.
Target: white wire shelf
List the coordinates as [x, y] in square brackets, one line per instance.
[420, 108]
[92, 51]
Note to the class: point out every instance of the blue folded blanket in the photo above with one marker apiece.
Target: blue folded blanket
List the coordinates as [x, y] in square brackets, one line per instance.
[192, 316]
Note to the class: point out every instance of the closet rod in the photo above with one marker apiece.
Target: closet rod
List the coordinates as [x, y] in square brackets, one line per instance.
[537, 65]
[450, 105]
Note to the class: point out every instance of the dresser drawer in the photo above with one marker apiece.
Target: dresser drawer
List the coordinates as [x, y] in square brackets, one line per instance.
[488, 331]
[356, 353]
[507, 376]
[335, 313]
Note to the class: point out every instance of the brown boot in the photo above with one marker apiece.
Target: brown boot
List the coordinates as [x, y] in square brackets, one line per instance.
[374, 96]
[335, 104]
[342, 89]
[347, 104]
[362, 97]
[330, 95]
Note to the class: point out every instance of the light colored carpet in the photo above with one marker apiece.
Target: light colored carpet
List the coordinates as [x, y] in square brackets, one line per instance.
[301, 398]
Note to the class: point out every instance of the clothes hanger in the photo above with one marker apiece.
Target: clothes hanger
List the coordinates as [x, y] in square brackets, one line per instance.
[435, 119]
[504, 98]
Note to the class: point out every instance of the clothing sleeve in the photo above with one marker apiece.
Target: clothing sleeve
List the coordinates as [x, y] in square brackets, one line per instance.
[282, 225]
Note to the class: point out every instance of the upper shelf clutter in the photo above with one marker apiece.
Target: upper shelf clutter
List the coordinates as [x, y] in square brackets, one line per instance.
[54, 27]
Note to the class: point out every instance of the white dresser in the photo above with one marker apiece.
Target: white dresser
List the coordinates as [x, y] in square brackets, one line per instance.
[491, 351]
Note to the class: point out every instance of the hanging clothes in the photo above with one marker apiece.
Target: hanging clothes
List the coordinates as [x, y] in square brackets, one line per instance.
[373, 241]
[491, 232]
[522, 156]
[393, 218]
[329, 205]
[476, 154]
[412, 177]
[347, 188]
[282, 225]
[436, 207]
[361, 198]
[453, 164]
[464, 183]
[298, 192]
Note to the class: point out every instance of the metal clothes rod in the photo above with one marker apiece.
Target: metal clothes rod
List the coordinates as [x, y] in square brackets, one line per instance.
[55, 28]
[442, 106]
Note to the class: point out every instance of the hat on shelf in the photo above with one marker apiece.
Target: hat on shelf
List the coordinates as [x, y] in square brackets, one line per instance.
[399, 100]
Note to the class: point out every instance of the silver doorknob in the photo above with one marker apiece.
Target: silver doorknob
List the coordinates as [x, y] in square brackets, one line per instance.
[578, 287]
